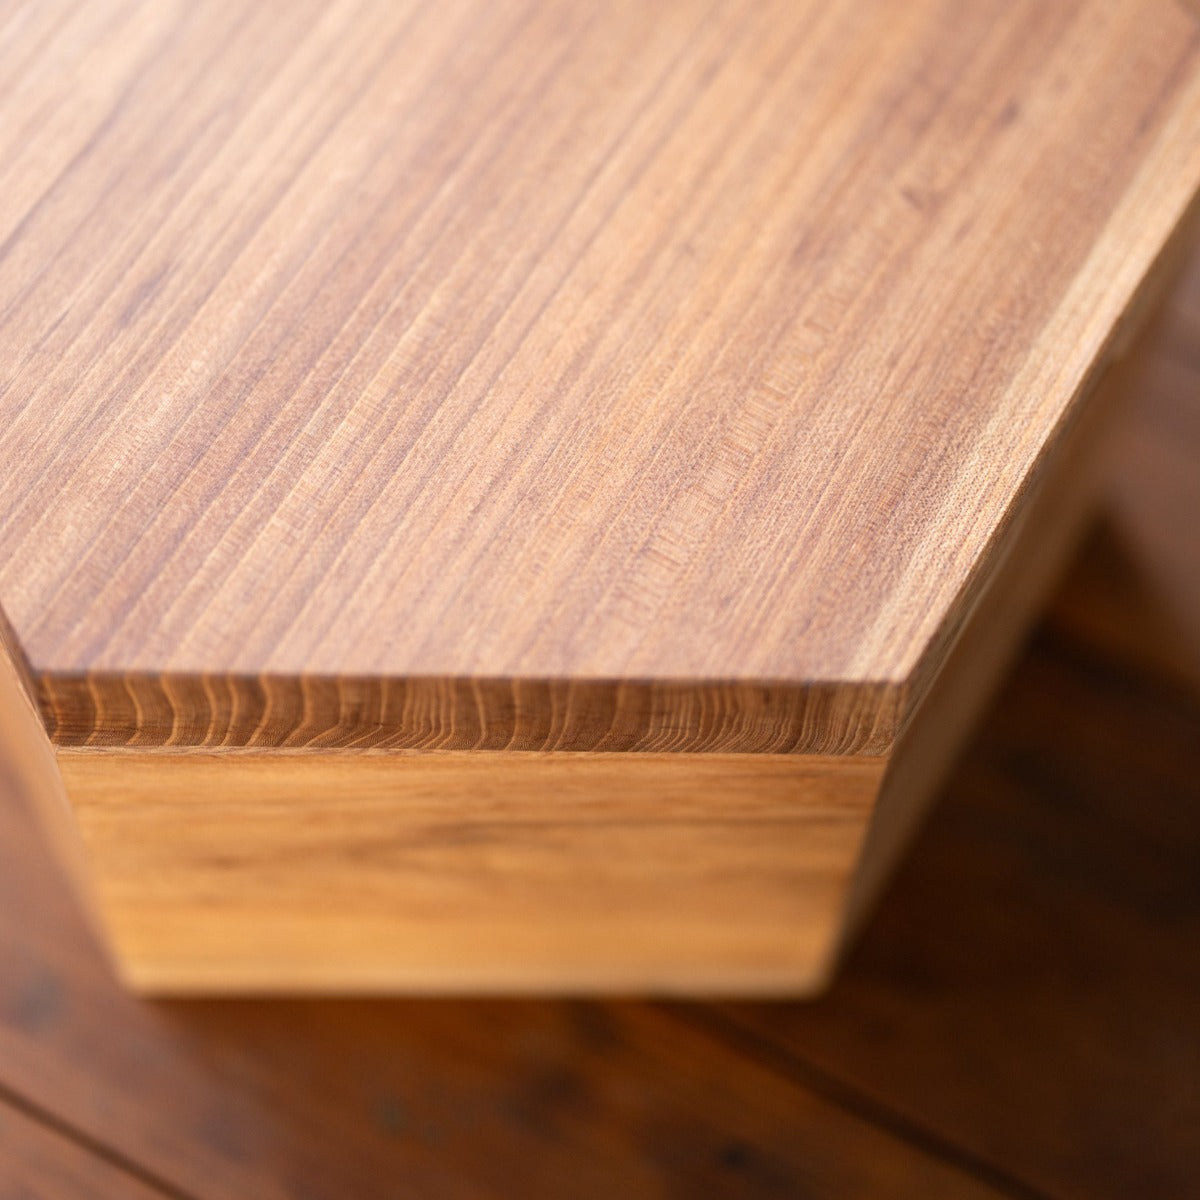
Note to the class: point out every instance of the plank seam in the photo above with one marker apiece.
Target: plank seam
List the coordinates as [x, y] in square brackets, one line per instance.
[802, 1072]
[93, 1146]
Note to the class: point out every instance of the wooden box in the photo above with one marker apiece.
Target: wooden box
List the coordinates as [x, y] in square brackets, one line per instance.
[508, 497]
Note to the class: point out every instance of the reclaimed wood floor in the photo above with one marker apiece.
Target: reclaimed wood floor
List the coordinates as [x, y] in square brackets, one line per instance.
[1022, 1017]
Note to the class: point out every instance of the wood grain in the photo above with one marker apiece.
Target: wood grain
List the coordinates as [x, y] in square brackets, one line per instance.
[1058, 506]
[229, 867]
[471, 871]
[1058, 503]
[210, 712]
[490, 486]
[1023, 1015]
[547, 343]
[29, 762]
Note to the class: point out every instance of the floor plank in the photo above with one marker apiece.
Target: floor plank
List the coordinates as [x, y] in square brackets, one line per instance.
[36, 1161]
[1155, 499]
[1030, 988]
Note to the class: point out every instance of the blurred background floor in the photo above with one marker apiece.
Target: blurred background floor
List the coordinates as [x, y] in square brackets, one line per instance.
[1021, 1018]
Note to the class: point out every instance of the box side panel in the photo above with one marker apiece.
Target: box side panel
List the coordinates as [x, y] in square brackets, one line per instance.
[1054, 511]
[27, 765]
[471, 871]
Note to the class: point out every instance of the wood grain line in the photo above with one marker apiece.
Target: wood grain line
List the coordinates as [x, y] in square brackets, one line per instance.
[104, 710]
[691, 343]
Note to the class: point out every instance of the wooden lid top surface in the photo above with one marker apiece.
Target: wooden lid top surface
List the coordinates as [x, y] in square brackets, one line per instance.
[554, 341]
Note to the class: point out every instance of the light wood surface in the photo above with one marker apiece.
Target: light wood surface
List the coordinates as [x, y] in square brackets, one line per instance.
[401, 402]
[677, 342]
[471, 871]
[1054, 514]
